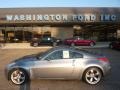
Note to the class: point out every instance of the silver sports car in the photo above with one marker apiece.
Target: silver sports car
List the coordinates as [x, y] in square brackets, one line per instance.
[59, 63]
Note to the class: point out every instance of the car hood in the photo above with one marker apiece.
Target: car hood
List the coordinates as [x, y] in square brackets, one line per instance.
[26, 58]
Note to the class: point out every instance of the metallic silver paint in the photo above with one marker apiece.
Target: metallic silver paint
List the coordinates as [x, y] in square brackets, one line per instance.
[59, 69]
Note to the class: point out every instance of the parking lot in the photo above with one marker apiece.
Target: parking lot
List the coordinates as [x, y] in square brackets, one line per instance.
[111, 82]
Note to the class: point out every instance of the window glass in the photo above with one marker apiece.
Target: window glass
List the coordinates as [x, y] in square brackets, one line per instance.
[55, 55]
[74, 54]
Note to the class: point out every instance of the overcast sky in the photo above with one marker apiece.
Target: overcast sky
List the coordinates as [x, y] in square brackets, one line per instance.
[59, 3]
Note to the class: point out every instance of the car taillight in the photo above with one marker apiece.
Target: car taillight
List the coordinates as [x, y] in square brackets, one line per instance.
[103, 59]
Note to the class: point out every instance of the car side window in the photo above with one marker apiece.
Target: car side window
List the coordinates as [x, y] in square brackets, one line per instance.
[74, 54]
[55, 55]
[44, 39]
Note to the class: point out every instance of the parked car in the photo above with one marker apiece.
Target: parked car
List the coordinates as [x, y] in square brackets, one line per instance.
[79, 41]
[115, 45]
[59, 63]
[45, 41]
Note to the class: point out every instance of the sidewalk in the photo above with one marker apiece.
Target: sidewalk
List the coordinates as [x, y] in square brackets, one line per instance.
[27, 46]
[21, 46]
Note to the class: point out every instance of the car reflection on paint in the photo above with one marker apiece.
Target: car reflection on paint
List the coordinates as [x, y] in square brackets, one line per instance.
[79, 42]
[59, 63]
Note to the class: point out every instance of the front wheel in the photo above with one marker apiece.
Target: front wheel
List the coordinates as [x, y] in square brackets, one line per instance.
[92, 44]
[18, 76]
[35, 44]
[92, 76]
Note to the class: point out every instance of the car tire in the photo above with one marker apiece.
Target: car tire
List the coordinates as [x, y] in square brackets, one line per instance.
[92, 75]
[72, 44]
[18, 76]
[54, 44]
[92, 44]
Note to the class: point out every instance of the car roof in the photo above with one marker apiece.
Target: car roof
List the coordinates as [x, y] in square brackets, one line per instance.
[63, 47]
[83, 51]
[68, 48]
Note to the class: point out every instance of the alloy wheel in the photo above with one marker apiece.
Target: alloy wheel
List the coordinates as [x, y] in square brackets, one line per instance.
[18, 77]
[93, 76]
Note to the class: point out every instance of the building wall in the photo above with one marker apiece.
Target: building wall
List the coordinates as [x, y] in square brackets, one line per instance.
[62, 32]
[58, 15]
[24, 22]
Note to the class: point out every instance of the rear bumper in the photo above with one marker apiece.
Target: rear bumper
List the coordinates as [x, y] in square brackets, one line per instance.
[107, 69]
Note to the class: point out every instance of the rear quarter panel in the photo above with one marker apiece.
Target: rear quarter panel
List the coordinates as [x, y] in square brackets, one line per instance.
[84, 64]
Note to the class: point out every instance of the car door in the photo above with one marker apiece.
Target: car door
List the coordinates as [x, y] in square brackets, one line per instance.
[78, 59]
[57, 64]
[80, 41]
[46, 40]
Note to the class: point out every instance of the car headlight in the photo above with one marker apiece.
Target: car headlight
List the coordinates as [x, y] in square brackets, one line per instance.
[11, 65]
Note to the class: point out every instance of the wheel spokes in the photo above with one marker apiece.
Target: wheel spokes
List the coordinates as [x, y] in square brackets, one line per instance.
[18, 77]
[93, 76]
[18, 80]
[97, 73]
[88, 75]
[91, 71]
[91, 79]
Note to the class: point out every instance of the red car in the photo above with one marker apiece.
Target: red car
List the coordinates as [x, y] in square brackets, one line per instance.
[79, 42]
[115, 45]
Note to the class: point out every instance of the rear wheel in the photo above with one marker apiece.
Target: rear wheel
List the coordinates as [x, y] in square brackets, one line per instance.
[92, 75]
[18, 76]
[54, 44]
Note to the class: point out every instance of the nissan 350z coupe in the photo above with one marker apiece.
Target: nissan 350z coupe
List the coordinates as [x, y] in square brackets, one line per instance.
[59, 63]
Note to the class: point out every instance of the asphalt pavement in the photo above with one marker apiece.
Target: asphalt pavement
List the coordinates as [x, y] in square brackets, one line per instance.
[27, 46]
[110, 82]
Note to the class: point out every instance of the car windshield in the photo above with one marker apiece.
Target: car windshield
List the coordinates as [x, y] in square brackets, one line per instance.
[42, 54]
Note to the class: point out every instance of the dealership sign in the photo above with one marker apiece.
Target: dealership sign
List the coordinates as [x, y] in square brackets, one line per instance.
[62, 17]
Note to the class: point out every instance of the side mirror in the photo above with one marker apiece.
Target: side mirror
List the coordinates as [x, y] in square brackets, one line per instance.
[38, 58]
[47, 59]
